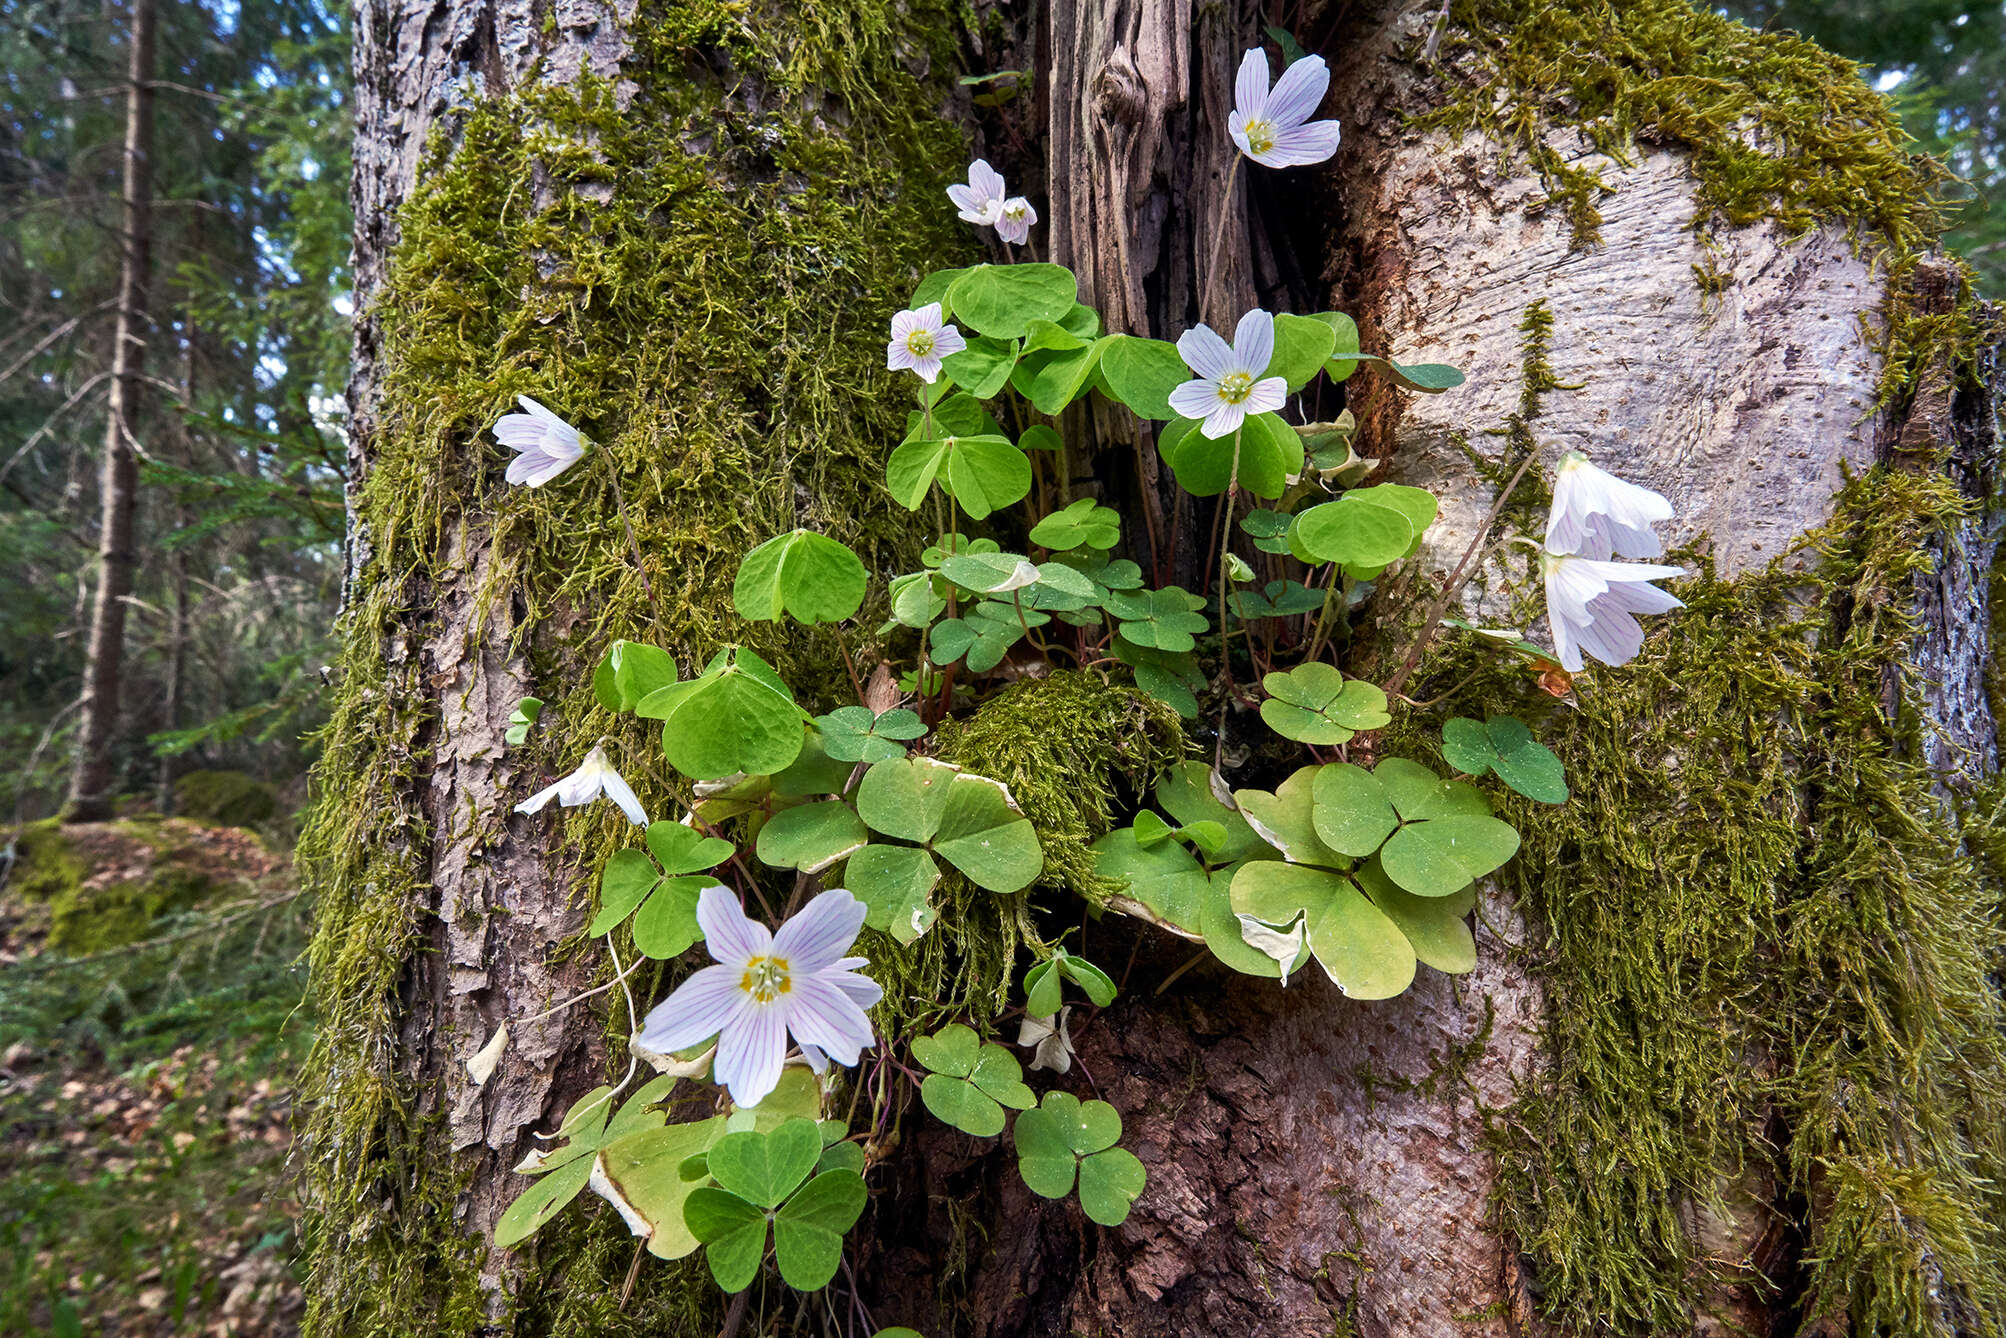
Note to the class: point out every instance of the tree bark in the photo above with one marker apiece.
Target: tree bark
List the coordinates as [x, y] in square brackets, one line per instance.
[1316, 1164]
[96, 773]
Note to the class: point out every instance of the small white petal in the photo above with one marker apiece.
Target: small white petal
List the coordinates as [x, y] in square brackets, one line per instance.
[750, 1055]
[1224, 420]
[622, 794]
[536, 802]
[827, 1018]
[482, 1066]
[1299, 146]
[821, 932]
[927, 367]
[1267, 396]
[1298, 93]
[947, 341]
[1250, 84]
[903, 324]
[1254, 343]
[1205, 353]
[699, 1008]
[898, 357]
[733, 937]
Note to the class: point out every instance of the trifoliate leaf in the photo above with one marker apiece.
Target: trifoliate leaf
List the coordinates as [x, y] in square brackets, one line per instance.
[1053, 378]
[737, 717]
[1084, 524]
[629, 671]
[1141, 373]
[1315, 704]
[1166, 619]
[808, 1229]
[1434, 836]
[896, 884]
[811, 837]
[1352, 535]
[1504, 745]
[809, 576]
[1003, 300]
[983, 368]
[854, 734]
[1269, 453]
[1302, 343]
[1359, 947]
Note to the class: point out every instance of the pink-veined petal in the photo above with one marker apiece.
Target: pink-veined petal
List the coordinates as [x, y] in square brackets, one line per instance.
[1267, 396]
[927, 367]
[1195, 399]
[1238, 130]
[1610, 635]
[863, 991]
[1564, 649]
[1224, 420]
[750, 1053]
[985, 180]
[898, 358]
[623, 795]
[827, 1018]
[534, 467]
[903, 324]
[947, 341]
[1298, 93]
[818, 1063]
[929, 316]
[519, 431]
[536, 802]
[732, 937]
[1254, 342]
[820, 932]
[1250, 85]
[695, 1010]
[1301, 145]
[1204, 352]
[1608, 572]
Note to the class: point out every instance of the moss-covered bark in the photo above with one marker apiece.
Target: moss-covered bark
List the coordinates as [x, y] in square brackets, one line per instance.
[693, 262]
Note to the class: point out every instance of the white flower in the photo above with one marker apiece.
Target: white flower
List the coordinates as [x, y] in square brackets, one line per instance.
[981, 200]
[1591, 604]
[766, 987]
[1595, 513]
[1014, 223]
[1229, 384]
[919, 341]
[546, 444]
[1273, 128]
[1052, 1038]
[595, 776]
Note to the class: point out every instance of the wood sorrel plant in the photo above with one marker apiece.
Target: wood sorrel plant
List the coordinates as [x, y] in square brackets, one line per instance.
[1369, 873]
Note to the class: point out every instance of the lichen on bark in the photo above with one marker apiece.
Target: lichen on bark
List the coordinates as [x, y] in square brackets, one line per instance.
[693, 262]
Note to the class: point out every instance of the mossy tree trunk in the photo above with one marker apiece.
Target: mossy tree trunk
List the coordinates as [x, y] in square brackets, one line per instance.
[1733, 1051]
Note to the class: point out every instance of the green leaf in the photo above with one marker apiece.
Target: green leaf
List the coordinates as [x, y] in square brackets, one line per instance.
[1169, 676]
[1344, 341]
[1164, 877]
[764, 1168]
[934, 288]
[911, 470]
[733, 1233]
[811, 837]
[807, 575]
[1269, 530]
[681, 849]
[1166, 619]
[957, 1102]
[1110, 1182]
[625, 882]
[666, 924]
[1434, 925]
[1302, 343]
[630, 671]
[813, 774]
[1505, 745]
[1039, 437]
[1351, 811]
[1270, 452]
[1226, 937]
[1359, 947]
[1095, 983]
[1350, 534]
[915, 602]
[950, 1051]
[896, 884]
[1431, 377]
[984, 834]
[905, 797]
[1052, 378]
[983, 368]
[854, 734]
[999, 1076]
[1192, 793]
[1279, 599]
[1292, 50]
[1416, 504]
[842, 1157]
[1141, 373]
[1438, 834]
[541, 1202]
[1287, 819]
[989, 573]
[1315, 704]
[1003, 300]
[521, 718]
[1053, 1137]
[985, 474]
[1084, 524]
[645, 1168]
[809, 1228]
[737, 717]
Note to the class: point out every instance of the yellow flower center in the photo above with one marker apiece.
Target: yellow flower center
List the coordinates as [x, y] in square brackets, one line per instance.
[919, 343]
[1234, 387]
[765, 979]
[1261, 135]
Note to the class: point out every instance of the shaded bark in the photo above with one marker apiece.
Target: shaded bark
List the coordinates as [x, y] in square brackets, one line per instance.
[96, 773]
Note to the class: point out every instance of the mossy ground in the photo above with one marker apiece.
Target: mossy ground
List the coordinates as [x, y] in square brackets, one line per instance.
[699, 278]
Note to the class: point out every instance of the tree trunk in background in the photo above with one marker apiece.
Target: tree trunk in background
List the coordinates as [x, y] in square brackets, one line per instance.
[1316, 1164]
[92, 782]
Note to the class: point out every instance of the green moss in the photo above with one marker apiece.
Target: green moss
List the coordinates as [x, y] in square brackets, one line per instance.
[1074, 749]
[229, 797]
[1768, 955]
[699, 278]
[1778, 128]
[105, 885]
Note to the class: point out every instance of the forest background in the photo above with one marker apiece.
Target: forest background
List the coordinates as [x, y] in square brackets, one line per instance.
[183, 1049]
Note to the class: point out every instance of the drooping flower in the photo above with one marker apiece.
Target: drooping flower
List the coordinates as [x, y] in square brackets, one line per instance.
[919, 341]
[1273, 128]
[1013, 224]
[767, 987]
[981, 200]
[1596, 514]
[1229, 385]
[595, 776]
[1592, 603]
[546, 445]
[1051, 1038]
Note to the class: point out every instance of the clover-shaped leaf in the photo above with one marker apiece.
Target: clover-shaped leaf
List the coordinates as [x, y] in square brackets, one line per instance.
[1044, 983]
[1302, 344]
[983, 367]
[1193, 793]
[856, 734]
[811, 837]
[629, 671]
[968, 820]
[1355, 535]
[737, 716]
[1084, 524]
[564, 1170]
[1278, 599]
[521, 718]
[1268, 529]
[1433, 836]
[1166, 619]
[809, 576]
[1051, 378]
[982, 473]
[1002, 301]
[1261, 458]
[1063, 1140]
[1315, 704]
[1436, 926]
[1504, 745]
[1285, 819]
[969, 1080]
[760, 1175]
[1172, 677]
[982, 636]
[662, 901]
[896, 884]
[645, 1170]
[915, 601]
[1141, 373]
[989, 573]
[808, 1229]
[1164, 876]
[1358, 945]
[1432, 377]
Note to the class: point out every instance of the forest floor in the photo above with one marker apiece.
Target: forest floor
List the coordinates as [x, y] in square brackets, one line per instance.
[150, 1026]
